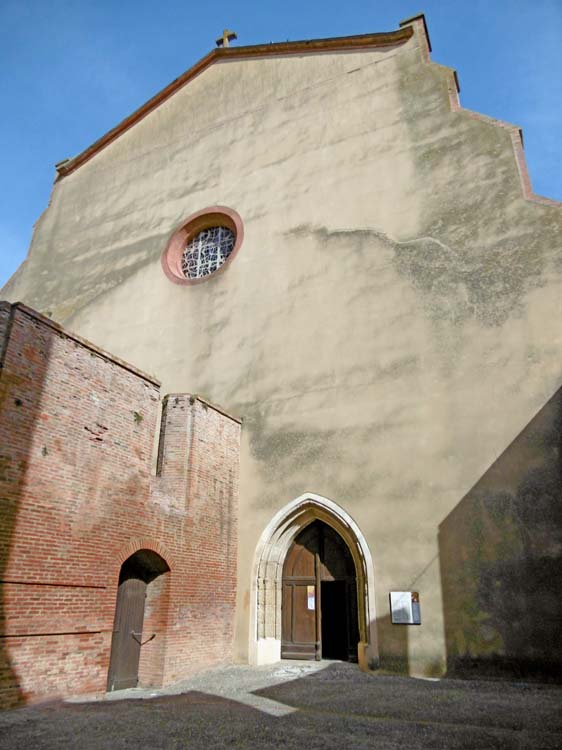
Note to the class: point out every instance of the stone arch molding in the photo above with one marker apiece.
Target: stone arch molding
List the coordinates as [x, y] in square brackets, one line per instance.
[274, 543]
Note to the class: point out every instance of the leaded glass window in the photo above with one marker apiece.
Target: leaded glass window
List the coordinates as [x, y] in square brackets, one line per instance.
[206, 252]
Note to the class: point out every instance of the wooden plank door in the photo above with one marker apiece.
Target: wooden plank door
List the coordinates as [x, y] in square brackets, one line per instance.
[319, 597]
[300, 605]
[127, 633]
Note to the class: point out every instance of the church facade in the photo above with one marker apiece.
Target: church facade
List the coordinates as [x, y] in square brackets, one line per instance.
[317, 237]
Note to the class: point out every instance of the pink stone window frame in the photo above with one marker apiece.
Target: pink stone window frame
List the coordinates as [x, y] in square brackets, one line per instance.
[209, 217]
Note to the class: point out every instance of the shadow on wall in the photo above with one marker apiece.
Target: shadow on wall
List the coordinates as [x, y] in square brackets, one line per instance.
[23, 368]
[393, 640]
[501, 561]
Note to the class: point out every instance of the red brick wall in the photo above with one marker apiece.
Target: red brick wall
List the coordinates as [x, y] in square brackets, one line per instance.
[153, 653]
[76, 440]
[204, 493]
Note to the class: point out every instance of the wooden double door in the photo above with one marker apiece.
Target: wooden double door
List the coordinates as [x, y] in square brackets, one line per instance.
[319, 606]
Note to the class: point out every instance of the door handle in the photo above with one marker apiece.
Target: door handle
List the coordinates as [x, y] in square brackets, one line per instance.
[134, 636]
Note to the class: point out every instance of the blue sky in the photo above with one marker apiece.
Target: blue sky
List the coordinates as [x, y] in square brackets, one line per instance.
[70, 70]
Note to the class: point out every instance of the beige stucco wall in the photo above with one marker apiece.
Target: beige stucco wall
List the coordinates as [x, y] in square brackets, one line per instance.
[389, 325]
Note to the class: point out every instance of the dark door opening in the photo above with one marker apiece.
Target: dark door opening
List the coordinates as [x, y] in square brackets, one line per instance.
[319, 605]
[333, 598]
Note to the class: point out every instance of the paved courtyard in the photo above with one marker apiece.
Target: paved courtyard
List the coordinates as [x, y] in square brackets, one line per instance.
[298, 705]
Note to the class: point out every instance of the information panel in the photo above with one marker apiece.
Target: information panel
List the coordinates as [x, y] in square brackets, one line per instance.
[405, 608]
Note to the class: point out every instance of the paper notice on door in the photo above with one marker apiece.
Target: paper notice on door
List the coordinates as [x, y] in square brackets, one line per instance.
[311, 596]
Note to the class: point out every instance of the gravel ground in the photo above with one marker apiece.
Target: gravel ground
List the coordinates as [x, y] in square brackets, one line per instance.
[298, 705]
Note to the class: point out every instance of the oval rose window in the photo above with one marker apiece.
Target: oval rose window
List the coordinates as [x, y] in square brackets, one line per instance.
[203, 245]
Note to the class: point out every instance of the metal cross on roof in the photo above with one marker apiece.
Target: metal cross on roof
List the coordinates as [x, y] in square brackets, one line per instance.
[226, 38]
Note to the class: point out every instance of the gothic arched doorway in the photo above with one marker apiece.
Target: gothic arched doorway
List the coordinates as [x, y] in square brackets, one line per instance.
[140, 579]
[266, 628]
[319, 605]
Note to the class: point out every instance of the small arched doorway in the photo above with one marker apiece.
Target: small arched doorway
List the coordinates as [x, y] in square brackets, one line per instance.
[137, 581]
[319, 599]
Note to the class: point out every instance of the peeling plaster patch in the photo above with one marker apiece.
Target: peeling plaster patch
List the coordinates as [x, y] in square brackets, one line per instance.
[456, 284]
[493, 245]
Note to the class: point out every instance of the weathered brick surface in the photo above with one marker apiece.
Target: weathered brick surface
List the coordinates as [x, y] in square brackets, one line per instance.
[152, 665]
[77, 498]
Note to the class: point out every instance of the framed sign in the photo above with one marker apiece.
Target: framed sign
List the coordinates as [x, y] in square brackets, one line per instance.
[405, 608]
